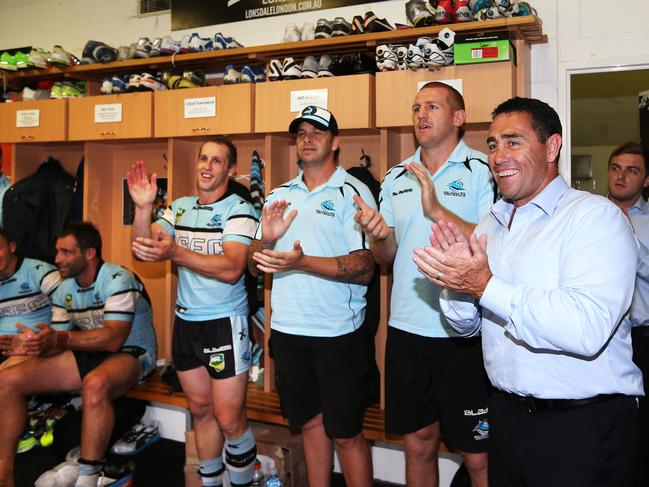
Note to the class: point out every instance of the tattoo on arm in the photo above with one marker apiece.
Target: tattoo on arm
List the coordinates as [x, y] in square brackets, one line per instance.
[355, 268]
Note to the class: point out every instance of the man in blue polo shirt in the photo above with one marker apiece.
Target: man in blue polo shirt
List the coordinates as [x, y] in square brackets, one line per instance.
[321, 265]
[435, 380]
[207, 237]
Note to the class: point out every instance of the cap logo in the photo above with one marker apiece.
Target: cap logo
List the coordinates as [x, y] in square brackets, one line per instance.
[309, 110]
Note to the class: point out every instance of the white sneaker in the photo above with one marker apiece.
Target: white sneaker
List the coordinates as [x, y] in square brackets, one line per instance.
[168, 46]
[291, 33]
[415, 57]
[290, 69]
[386, 58]
[310, 67]
[308, 32]
[275, 70]
[324, 69]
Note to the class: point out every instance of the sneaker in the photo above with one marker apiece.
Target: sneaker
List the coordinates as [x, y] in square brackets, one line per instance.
[232, 75]
[402, 56]
[341, 65]
[26, 443]
[415, 57]
[120, 83]
[8, 62]
[98, 52]
[357, 25]
[168, 46]
[22, 60]
[386, 58]
[28, 94]
[433, 57]
[290, 69]
[507, 8]
[324, 67]
[149, 82]
[275, 70]
[133, 83]
[72, 90]
[115, 475]
[323, 29]
[418, 14]
[136, 439]
[444, 12]
[39, 58]
[123, 53]
[155, 47]
[253, 74]
[142, 48]
[192, 79]
[477, 5]
[524, 8]
[445, 41]
[62, 58]
[310, 67]
[461, 11]
[172, 78]
[184, 44]
[56, 91]
[341, 27]
[222, 42]
[363, 64]
[307, 33]
[488, 14]
[106, 86]
[291, 33]
[373, 24]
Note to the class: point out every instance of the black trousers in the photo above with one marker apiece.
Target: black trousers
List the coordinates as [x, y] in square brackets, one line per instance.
[586, 446]
[641, 358]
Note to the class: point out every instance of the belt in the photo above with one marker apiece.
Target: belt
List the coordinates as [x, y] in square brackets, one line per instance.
[534, 405]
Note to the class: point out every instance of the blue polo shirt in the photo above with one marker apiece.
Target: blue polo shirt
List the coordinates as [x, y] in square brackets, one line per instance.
[309, 305]
[464, 186]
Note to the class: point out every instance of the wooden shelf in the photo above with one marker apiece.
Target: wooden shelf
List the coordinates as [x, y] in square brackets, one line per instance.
[528, 28]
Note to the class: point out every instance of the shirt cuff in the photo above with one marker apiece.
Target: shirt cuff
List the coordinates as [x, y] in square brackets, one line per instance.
[497, 297]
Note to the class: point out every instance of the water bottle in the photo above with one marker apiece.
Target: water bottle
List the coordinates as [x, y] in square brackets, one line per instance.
[273, 480]
[257, 476]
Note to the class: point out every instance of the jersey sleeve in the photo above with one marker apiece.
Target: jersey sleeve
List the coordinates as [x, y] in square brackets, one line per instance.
[60, 317]
[354, 235]
[168, 219]
[241, 223]
[121, 295]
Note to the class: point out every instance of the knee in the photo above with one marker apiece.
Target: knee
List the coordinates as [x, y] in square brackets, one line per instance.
[200, 409]
[232, 421]
[94, 390]
[476, 463]
[423, 443]
[350, 443]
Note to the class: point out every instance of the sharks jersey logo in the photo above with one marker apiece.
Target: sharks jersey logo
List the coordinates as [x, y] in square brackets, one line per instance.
[25, 288]
[216, 221]
[327, 208]
[456, 188]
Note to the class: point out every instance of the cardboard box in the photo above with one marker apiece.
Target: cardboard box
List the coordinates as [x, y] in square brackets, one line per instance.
[274, 441]
[483, 48]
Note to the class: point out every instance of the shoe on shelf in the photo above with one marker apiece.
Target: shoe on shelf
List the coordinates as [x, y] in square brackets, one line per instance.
[275, 70]
[222, 42]
[444, 12]
[461, 11]
[324, 66]
[197, 43]
[73, 90]
[507, 8]
[39, 58]
[363, 64]
[357, 25]
[184, 44]
[323, 29]
[341, 65]
[120, 83]
[372, 23]
[291, 33]
[415, 57]
[62, 58]
[22, 60]
[192, 79]
[418, 13]
[155, 47]
[98, 52]
[433, 57]
[142, 48]
[133, 82]
[150, 82]
[8, 62]
[232, 75]
[402, 56]
[168, 46]
[290, 69]
[106, 86]
[310, 67]
[123, 53]
[445, 41]
[340, 27]
[171, 78]
[136, 439]
[253, 74]
[55, 91]
[488, 14]
[386, 58]
[307, 33]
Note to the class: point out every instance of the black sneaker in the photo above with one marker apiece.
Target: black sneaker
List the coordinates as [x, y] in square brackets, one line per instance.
[323, 29]
[357, 25]
[362, 64]
[341, 27]
[341, 65]
[373, 24]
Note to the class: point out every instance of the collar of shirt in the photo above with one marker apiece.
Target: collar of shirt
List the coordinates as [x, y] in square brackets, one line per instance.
[337, 180]
[459, 156]
[546, 200]
[640, 206]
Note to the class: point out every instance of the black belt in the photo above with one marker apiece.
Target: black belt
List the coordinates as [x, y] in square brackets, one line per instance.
[534, 405]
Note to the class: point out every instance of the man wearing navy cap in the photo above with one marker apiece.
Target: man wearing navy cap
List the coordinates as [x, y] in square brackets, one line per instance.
[321, 264]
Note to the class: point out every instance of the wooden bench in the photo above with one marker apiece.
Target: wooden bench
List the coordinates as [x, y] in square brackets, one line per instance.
[262, 406]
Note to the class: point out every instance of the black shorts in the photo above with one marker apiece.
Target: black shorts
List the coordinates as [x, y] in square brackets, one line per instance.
[87, 361]
[325, 375]
[437, 379]
[222, 346]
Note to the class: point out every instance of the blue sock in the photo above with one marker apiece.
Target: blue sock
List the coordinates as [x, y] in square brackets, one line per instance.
[211, 472]
[240, 455]
[89, 472]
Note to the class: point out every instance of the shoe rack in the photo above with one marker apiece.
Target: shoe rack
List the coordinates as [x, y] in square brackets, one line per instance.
[373, 112]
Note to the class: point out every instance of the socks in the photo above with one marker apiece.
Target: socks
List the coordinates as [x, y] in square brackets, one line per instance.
[89, 472]
[211, 472]
[240, 455]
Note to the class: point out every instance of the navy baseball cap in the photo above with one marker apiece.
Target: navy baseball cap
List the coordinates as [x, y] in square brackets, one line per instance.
[316, 116]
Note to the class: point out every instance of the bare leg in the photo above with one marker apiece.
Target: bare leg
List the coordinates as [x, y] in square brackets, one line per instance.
[229, 403]
[318, 452]
[422, 449]
[34, 376]
[476, 464]
[110, 380]
[355, 460]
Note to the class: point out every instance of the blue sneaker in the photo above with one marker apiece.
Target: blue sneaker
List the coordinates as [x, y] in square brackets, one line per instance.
[253, 74]
[98, 52]
[232, 75]
[222, 42]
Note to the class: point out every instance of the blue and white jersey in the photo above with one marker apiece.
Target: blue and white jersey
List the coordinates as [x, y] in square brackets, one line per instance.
[204, 229]
[464, 186]
[116, 295]
[25, 295]
[306, 304]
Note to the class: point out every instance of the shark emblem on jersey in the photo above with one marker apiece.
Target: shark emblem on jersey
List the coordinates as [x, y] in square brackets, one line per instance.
[215, 221]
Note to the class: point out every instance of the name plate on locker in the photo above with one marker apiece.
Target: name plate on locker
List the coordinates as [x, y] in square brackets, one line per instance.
[304, 98]
[109, 112]
[200, 107]
[28, 118]
[454, 83]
